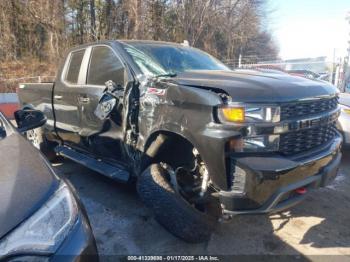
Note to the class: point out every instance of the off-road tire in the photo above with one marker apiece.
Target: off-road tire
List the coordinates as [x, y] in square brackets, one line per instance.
[170, 209]
[37, 138]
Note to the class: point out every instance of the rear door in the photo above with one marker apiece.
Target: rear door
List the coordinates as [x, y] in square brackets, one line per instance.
[103, 137]
[67, 91]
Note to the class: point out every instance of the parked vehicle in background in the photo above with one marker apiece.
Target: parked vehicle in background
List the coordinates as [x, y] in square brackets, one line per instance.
[263, 70]
[204, 143]
[40, 216]
[344, 118]
[304, 73]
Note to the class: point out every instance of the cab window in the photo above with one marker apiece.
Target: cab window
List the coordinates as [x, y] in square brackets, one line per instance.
[74, 66]
[105, 66]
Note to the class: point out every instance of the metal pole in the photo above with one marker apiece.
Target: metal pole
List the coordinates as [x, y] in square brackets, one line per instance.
[346, 71]
[331, 79]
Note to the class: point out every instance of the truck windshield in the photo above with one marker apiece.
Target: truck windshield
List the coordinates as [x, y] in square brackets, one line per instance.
[163, 59]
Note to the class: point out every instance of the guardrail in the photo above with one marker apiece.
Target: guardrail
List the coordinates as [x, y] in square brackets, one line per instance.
[39, 78]
[8, 85]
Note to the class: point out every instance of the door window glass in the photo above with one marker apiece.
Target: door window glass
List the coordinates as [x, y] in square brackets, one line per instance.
[105, 66]
[74, 66]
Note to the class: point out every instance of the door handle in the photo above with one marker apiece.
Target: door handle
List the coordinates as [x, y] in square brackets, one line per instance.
[58, 97]
[83, 100]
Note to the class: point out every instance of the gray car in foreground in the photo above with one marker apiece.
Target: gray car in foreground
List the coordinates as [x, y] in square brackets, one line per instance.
[41, 218]
[344, 118]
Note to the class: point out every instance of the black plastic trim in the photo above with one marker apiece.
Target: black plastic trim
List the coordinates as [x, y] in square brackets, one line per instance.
[274, 203]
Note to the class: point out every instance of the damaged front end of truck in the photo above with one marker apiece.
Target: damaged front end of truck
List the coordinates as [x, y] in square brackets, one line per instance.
[227, 159]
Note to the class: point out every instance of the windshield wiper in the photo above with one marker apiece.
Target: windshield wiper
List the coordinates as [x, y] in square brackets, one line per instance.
[166, 75]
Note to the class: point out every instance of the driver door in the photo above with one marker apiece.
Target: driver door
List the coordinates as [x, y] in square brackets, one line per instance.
[103, 138]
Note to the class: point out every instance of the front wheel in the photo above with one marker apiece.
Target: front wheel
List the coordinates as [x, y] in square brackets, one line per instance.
[182, 218]
[37, 138]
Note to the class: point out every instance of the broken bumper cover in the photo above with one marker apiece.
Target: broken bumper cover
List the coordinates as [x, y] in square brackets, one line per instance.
[276, 188]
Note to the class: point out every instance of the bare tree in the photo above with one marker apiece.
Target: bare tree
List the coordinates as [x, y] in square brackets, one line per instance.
[44, 29]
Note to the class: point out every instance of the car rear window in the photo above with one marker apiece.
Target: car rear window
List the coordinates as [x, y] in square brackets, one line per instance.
[74, 66]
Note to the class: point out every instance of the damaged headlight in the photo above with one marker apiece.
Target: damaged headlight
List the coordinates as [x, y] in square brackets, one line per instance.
[249, 115]
[46, 229]
[233, 113]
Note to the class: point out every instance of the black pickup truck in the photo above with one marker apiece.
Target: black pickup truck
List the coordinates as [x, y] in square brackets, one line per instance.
[203, 143]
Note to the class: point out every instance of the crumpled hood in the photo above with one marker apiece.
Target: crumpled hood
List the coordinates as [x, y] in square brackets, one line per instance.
[257, 87]
[25, 181]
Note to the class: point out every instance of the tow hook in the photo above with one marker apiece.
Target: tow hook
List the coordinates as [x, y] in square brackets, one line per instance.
[301, 190]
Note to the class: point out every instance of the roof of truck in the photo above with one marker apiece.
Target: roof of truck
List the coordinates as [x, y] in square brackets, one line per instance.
[149, 42]
[109, 42]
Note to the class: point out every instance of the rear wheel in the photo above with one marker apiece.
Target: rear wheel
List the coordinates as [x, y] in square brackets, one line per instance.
[176, 199]
[37, 138]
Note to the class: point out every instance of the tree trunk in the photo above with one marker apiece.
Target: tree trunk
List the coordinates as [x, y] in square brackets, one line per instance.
[93, 19]
[108, 18]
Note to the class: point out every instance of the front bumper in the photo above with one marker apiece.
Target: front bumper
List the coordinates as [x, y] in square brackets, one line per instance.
[271, 182]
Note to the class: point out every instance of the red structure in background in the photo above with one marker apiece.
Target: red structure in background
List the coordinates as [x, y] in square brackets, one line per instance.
[8, 104]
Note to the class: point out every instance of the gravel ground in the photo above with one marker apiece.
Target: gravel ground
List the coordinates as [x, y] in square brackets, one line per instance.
[123, 226]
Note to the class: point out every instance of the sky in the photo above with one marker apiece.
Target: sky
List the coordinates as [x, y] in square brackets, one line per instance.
[310, 28]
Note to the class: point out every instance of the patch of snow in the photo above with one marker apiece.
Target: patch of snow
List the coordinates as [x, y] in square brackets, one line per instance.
[337, 181]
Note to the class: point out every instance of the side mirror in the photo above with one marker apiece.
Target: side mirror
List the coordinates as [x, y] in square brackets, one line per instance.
[28, 119]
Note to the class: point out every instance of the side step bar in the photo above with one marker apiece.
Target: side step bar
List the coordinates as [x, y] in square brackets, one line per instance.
[117, 173]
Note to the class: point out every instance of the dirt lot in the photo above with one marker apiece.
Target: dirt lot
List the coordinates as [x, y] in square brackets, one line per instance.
[122, 225]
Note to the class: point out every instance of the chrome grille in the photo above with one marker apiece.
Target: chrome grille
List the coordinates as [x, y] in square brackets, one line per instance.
[304, 140]
[305, 109]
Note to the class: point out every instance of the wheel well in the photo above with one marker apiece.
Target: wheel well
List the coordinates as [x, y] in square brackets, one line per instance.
[168, 147]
